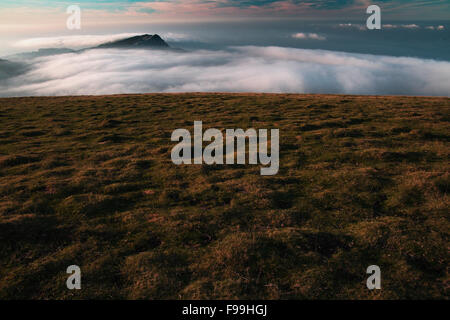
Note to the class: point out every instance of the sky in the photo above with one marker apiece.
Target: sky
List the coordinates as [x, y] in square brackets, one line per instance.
[24, 19]
[23, 15]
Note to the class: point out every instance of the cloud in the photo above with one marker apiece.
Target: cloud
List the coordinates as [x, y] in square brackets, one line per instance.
[352, 26]
[389, 26]
[312, 36]
[402, 26]
[410, 26]
[238, 69]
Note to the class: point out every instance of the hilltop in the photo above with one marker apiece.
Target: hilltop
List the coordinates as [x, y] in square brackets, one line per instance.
[143, 41]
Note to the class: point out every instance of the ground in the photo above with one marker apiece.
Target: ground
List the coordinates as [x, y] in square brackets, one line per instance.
[89, 181]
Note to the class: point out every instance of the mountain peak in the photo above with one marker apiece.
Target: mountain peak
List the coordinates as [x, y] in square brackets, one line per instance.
[142, 41]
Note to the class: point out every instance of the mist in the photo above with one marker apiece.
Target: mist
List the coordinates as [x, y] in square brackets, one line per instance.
[234, 69]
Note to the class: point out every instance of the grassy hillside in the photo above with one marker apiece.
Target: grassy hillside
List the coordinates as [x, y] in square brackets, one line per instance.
[89, 181]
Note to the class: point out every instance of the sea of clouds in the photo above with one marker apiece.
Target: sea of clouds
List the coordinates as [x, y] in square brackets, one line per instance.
[236, 69]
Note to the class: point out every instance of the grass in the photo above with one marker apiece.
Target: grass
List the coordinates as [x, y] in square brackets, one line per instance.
[89, 181]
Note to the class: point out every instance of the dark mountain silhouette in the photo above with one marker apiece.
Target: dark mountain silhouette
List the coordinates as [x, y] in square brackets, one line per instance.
[40, 53]
[143, 41]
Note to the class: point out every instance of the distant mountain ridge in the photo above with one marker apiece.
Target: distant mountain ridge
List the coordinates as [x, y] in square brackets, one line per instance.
[142, 41]
[43, 52]
[10, 69]
[17, 64]
[145, 41]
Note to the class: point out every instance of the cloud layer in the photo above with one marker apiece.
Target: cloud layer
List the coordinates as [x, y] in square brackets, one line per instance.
[239, 69]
